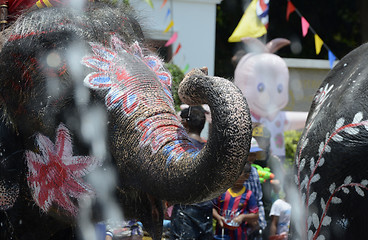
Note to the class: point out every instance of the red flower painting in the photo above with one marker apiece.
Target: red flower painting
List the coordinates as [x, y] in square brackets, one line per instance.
[55, 175]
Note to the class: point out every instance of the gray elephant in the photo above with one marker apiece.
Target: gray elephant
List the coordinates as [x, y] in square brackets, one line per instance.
[80, 93]
[331, 161]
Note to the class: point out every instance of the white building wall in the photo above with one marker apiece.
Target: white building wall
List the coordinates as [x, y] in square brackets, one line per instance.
[306, 76]
[195, 23]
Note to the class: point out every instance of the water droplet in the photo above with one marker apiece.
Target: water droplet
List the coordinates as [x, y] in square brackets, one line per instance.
[53, 59]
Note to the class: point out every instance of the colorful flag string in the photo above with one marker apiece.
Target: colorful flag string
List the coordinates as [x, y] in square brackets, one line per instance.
[307, 27]
[174, 36]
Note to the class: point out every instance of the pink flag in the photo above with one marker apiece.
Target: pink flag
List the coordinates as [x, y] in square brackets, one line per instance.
[172, 39]
[305, 26]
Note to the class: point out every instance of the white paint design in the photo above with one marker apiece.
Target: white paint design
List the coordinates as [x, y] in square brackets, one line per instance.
[315, 222]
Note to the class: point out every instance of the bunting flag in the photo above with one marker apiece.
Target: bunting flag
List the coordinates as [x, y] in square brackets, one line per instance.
[249, 26]
[262, 11]
[149, 3]
[305, 26]
[186, 68]
[172, 39]
[318, 43]
[331, 58]
[167, 13]
[163, 3]
[290, 9]
[177, 49]
[169, 26]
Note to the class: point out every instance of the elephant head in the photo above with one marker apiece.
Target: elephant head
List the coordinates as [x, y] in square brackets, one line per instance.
[331, 165]
[60, 65]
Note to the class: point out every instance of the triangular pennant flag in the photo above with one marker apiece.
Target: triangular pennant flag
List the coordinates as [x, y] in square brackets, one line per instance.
[149, 3]
[177, 49]
[262, 9]
[331, 58]
[305, 26]
[290, 9]
[163, 3]
[249, 25]
[172, 39]
[167, 13]
[169, 26]
[318, 42]
[186, 68]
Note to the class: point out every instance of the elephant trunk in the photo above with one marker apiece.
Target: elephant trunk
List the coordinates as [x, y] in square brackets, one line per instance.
[178, 172]
[226, 151]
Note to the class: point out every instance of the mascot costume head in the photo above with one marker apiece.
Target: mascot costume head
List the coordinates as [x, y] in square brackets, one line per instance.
[263, 78]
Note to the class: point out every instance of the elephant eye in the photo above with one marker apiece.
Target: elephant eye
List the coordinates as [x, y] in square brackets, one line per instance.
[260, 87]
[280, 88]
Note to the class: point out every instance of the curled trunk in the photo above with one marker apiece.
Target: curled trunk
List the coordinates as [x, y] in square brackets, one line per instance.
[172, 168]
[145, 137]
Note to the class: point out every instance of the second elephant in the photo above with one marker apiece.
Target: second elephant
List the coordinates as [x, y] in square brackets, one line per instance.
[331, 159]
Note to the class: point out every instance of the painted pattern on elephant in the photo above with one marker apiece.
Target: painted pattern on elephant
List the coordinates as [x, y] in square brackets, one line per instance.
[55, 174]
[61, 65]
[331, 174]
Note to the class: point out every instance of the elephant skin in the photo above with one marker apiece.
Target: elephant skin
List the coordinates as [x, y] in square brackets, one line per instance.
[331, 161]
[61, 66]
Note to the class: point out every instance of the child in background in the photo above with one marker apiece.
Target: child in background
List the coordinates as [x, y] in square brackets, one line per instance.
[253, 184]
[280, 214]
[239, 202]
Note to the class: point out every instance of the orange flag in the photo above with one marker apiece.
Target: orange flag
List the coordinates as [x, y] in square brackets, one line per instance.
[290, 9]
[177, 49]
[163, 3]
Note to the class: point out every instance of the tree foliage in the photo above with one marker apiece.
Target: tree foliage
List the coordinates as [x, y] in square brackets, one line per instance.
[177, 76]
[291, 139]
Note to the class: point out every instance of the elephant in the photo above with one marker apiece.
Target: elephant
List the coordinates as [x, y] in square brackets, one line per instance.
[331, 166]
[82, 95]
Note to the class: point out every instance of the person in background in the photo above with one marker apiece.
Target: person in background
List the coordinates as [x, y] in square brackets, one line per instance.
[240, 204]
[192, 221]
[271, 189]
[253, 184]
[280, 215]
[124, 230]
